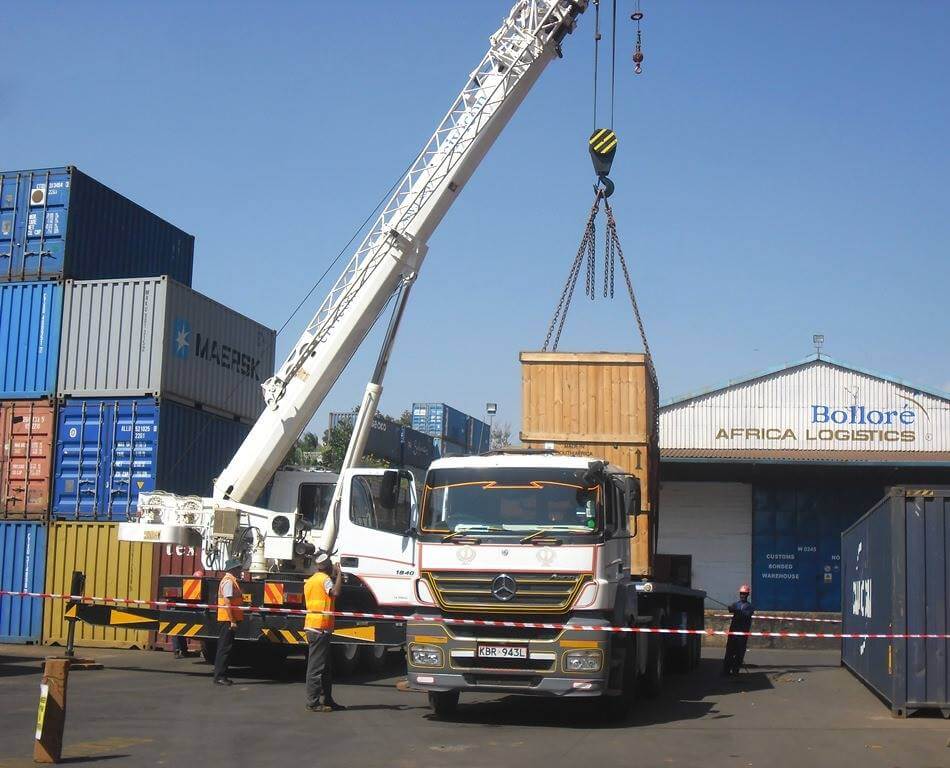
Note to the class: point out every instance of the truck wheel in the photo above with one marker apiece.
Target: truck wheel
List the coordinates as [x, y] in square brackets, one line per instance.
[209, 649]
[374, 657]
[695, 650]
[346, 659]
[444, 703]
[618, 707]
[653, 677]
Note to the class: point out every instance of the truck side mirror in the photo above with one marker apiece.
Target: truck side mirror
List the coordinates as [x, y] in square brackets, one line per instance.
[389, 489]
[631, 492]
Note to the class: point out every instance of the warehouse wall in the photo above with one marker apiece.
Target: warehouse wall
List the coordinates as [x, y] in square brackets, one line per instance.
[713, 523]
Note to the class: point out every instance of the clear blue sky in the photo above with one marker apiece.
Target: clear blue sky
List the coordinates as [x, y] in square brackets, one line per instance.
[782, 170]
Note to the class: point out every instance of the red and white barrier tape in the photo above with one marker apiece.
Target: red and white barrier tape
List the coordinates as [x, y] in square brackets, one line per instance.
[783, 618]
[488, 622]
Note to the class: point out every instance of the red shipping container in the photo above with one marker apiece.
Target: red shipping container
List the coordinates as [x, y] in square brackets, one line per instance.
[26, 464]
[177, 560]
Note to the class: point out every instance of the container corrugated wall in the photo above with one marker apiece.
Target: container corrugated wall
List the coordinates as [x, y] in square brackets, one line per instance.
[59, 223]
[896, 568]
[156, 337]
[441, 420]
[113, 568]
[779, 406]
[30, 323]
[27, 428]
[108, 451]
[22, 569]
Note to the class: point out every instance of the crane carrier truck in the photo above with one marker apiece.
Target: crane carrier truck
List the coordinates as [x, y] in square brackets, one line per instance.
[513, 536]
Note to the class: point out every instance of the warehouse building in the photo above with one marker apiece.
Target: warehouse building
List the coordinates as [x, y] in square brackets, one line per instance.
[759, 476]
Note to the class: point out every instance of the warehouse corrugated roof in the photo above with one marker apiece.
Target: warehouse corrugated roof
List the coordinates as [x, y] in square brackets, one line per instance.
[800, 364]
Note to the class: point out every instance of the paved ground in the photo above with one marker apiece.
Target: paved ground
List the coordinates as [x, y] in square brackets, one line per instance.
[791, 709]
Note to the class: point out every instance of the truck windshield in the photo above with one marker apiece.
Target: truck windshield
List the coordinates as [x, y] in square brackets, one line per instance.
[510, 500]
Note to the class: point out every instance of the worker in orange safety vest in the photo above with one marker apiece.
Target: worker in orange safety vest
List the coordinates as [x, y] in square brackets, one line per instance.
[230, 613]
[320, 592]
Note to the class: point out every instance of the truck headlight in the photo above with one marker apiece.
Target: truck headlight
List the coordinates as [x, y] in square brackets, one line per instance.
[582, 661]
[425, 656]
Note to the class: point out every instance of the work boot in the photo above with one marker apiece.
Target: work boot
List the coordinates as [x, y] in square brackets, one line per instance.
[223, 681]
[334, 707]
[319, 708]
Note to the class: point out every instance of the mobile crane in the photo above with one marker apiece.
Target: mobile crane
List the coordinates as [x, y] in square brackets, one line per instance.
[453, 552]
[376, 552]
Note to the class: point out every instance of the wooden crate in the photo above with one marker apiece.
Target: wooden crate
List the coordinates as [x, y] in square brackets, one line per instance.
[602, 405]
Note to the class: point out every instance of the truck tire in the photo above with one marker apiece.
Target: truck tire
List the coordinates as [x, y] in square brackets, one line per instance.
[373, 658]
[618, 707]
[444, 703]
[695, 650]
[346, 659]
[209, 649]
[653, 676]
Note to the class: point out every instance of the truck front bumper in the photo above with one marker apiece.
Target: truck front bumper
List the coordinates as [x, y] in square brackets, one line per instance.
[451, 657]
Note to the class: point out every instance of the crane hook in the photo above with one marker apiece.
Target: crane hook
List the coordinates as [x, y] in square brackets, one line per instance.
[638, 53]
[603, 147]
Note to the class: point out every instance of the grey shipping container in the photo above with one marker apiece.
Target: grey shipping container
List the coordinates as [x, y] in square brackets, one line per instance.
[896, 580]
[154, 337]
[58, 223]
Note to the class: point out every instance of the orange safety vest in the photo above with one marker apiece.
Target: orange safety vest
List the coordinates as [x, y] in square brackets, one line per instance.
[231, 610]
[315, 593]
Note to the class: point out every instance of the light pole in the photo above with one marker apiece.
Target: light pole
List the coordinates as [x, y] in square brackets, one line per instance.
[491, 409]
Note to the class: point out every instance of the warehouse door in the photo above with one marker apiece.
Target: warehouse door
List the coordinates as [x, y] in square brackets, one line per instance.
[712, 522]
[796, 544]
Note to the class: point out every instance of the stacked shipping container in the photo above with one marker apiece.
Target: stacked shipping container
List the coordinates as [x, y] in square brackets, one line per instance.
[455, 433]
[115, 378]
[398, 445]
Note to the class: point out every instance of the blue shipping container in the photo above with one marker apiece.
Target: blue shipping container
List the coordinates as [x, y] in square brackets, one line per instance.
[479, 436]
[897, 579]
[30, 325]
[440, 420]
[22, 569]
[109, 451]
[796, 544]
[445, 448]
[58, 223]
[418, 448]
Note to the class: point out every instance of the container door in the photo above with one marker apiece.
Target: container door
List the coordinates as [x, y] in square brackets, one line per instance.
[80, 459]
[374, 538]
[38, 222]
[26, 429]
[133, 437]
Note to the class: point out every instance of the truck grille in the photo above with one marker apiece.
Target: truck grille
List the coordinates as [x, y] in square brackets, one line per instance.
[484, 590]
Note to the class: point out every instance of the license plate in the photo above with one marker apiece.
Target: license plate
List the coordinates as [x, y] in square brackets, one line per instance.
[503, 652]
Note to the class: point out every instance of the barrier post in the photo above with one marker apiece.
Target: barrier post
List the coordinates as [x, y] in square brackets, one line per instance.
[51, 713]
[76, 587]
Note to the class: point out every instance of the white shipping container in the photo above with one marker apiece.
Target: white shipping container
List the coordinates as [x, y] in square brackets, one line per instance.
[155, 337]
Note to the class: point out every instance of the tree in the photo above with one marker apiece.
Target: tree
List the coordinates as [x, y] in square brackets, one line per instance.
[305, 451]
[405, 418]
[500, 435]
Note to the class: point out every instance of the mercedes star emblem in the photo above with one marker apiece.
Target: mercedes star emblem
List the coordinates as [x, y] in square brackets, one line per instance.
[504, 587]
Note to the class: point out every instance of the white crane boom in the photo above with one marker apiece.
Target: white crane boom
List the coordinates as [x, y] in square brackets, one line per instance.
[395, 247]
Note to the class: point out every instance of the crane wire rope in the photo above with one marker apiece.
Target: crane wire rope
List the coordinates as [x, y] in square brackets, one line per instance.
[596, 55]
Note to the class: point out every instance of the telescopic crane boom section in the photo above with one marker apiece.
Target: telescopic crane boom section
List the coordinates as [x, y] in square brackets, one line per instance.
[393, 251]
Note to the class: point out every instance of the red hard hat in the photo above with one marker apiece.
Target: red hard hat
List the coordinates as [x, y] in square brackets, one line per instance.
[745, 589]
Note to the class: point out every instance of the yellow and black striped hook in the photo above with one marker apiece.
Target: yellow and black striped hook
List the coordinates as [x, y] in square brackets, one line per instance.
[603, 147]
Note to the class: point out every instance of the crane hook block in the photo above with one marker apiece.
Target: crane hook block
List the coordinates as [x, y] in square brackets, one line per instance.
[603, 147]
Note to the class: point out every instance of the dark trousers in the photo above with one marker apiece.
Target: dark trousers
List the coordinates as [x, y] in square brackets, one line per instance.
[179, 644]
[319, 674]
[735, 654]
[223, 656]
